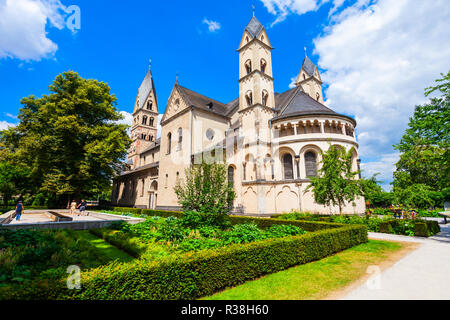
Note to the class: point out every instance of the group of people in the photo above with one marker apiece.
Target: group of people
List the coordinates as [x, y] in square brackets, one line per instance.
[81, 207]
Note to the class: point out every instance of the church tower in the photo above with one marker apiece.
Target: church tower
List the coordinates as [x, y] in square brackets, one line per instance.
[309, 79]
[256, 94]
[145, 119]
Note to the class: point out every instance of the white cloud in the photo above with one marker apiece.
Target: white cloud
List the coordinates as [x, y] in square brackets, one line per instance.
[9, 115]
[158, 134]
[385, 166]
[5, 125]
[23, 28]
[378, 58]
[282, 8]
[213, 26]
[127, 118]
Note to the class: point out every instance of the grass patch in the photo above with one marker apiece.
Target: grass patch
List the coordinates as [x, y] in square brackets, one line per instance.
[104, 247]
[315, 280]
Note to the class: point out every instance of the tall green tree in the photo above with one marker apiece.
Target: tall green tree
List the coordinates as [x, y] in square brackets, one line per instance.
[374, 194]
[70, 138]
[425, 145]
[206, 190]
[336, 183]
[13, 180]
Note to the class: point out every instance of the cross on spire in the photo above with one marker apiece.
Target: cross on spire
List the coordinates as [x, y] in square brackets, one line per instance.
[305, 52]
[149, 64]
[253, 9]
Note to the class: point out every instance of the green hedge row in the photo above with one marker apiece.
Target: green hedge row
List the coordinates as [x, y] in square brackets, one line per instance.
[202, 273]
[265, 223]
[422, 228]
[149, 212]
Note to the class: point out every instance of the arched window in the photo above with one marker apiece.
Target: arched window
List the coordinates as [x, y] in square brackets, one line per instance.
[169, 142]
[144, 120]
[149, 105]
[180, 138]
[263, 65]
[249, 97]
[304, 77]
[265, 97]
[248, 66]
[152, 121]
[310, 164]
[288, 167]
[317, 96]
[231, 176]
[151, 138]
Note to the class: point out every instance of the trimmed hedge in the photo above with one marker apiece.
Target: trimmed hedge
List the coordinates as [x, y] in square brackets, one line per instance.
[265, 223]
[202, 273]
[422, 228]
[149, 212]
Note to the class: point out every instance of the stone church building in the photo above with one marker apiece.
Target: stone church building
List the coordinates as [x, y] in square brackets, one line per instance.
[270, 141]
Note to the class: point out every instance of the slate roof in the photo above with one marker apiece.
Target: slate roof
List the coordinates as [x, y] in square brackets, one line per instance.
[309, 66]
[202, 102]
[254, 27]
[295, 102]
[145, 88]
[152, 146]
[142, 168]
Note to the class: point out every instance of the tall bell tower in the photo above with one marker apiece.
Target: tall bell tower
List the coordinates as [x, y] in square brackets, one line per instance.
[145, 119]
[256, 94]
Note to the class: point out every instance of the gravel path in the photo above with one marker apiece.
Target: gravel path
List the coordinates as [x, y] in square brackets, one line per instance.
[422, 274]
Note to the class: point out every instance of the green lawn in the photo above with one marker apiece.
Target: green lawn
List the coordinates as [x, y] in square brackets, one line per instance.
[315, 280]
[104, 247]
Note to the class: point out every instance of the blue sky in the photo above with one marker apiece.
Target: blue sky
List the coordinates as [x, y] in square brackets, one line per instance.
[371, 53]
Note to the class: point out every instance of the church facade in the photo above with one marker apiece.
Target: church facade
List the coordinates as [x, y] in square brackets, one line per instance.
[271, 142]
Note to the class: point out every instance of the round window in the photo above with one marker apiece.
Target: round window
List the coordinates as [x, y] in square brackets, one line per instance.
[210, 134]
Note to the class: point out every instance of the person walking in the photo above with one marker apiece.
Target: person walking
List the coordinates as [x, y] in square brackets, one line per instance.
[82, 207]
[19, 210]
[73, 207]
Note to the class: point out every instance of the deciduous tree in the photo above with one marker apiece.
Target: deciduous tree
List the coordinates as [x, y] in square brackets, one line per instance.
[336, 183]
[70, 138]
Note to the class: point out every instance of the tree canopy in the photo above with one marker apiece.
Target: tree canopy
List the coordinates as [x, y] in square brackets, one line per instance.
[425, 145]
[69, 139]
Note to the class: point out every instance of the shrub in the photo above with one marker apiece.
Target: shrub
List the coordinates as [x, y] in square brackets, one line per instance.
[243, 233]
[278, 231]
[161, 213]
[173, 230]
[421, 230]
[265, 223]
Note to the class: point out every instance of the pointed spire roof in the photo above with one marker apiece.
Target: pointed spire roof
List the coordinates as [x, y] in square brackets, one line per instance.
[254, 27]
[146, 87]
[308, 66]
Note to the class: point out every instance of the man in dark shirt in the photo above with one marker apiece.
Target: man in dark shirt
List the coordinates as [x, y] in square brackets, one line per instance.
[82, 206]
[19, 210]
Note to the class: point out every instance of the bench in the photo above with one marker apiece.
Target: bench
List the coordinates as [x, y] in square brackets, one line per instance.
[445, 214]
